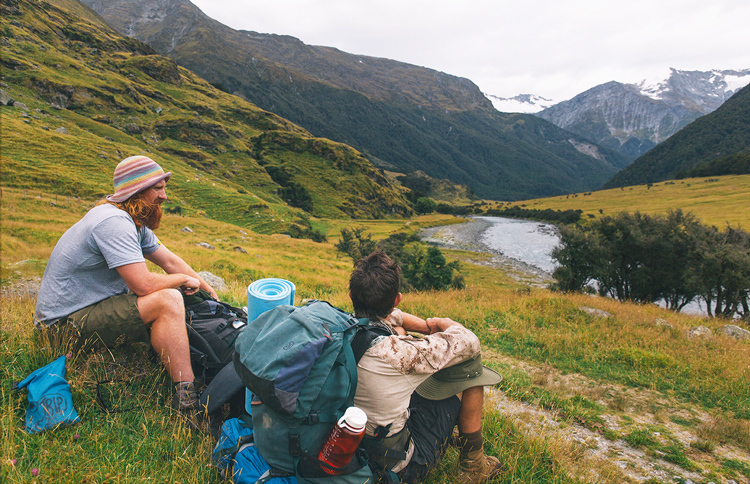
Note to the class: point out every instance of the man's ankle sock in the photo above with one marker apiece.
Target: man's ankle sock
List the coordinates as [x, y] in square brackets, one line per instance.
[470, 442]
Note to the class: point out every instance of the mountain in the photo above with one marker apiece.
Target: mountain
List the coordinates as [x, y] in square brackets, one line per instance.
[523, 103]
[721, 138]
[77, 98]
[404, 118]
[633, 118]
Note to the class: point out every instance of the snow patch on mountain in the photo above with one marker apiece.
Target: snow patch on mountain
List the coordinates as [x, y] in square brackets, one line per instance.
[523, 103]
[715, 83]
[735, 83]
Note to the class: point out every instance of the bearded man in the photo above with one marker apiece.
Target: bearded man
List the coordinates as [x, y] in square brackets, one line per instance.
[98, 286]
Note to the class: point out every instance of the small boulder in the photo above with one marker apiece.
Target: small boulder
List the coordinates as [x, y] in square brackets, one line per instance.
[206, 245]
[595, 312]
[734, 331]
[699, 332]
[5, 98]
[187, 230]
[214, 281]
[62, 130]
[240, 250]
[662, 323]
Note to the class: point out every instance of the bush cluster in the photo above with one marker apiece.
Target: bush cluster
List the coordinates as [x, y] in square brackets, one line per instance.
[421, 269]
[646, 259]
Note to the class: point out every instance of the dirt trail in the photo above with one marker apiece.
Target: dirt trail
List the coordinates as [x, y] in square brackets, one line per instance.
[594, 457]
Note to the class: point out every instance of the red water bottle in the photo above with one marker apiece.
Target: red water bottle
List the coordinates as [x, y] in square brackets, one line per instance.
[343, 441]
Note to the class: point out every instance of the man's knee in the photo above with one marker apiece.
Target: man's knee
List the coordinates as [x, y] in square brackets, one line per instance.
[165, 302]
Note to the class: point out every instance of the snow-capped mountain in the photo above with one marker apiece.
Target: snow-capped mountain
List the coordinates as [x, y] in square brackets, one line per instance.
[632, 118]
[523, 103]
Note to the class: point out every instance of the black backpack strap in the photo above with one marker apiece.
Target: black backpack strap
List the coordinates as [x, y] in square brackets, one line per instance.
[364, 338]
[271, 473]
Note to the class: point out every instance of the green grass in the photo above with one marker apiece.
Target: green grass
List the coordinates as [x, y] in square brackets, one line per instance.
[542, 328]
[716, 201]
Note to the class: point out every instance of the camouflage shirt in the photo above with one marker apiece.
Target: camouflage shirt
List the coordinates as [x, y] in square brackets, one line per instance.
[394, 366]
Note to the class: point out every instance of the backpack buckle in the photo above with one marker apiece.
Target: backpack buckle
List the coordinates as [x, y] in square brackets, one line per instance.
[295, 448]
[313, 418]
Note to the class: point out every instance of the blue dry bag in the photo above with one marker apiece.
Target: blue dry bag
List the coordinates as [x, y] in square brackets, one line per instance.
[50, 400]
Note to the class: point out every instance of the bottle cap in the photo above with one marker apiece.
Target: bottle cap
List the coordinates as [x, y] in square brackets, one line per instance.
[355, 418]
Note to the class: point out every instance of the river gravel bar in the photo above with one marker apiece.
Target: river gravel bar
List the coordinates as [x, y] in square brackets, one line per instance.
[467, 236]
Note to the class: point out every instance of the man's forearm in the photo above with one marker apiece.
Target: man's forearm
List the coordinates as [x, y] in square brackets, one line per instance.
[415, 324]
[173, 264]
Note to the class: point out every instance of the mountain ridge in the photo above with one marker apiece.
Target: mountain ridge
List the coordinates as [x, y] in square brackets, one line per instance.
[85, 97]
[722, 133]
[633, 118]
[433, 122]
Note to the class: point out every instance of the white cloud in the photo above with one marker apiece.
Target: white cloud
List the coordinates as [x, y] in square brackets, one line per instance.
[553, 48]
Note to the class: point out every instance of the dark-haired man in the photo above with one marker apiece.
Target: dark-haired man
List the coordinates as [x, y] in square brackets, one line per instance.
[97, 282]
[416, 390]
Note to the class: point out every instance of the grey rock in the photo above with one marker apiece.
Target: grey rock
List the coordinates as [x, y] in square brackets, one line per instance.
[19, 105]
[240, 250]
[595, 312]
[5, 98]
[187, 230]
[62, 130]
[662, 323]
[734, 331]
[699, 332]
[206, 245]
[214, 281]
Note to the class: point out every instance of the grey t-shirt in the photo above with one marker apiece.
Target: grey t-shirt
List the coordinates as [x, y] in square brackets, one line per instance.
[81, 270]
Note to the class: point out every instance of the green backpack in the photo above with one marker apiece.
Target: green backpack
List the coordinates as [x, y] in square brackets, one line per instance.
[300, 363]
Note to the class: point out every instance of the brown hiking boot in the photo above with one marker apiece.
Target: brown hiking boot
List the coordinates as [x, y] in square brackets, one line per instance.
[475, 467]
[185, 400]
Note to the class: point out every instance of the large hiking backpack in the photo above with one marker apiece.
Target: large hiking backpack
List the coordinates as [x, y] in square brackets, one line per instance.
[213, 328]
[300, 363]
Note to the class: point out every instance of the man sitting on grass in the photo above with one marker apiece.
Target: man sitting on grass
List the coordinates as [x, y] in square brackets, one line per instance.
[97, 283]
[416, 390]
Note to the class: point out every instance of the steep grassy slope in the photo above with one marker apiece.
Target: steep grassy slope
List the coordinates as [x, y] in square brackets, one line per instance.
[405, 118]
[84, 98]
[722, 133]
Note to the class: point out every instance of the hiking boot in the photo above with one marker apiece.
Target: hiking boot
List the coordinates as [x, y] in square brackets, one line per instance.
[186, 402]
[185, 398]
[476, 467]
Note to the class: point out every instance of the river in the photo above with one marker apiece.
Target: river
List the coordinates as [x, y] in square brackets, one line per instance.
[522, 247]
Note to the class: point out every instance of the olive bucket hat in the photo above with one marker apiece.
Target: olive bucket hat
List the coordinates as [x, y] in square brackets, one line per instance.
[135, 174]
[457, 378]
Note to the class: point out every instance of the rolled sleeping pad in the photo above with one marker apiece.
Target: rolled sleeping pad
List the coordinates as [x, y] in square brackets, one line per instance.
[263, 295]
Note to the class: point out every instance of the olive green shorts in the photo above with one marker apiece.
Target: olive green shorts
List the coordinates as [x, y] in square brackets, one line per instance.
[111, 322]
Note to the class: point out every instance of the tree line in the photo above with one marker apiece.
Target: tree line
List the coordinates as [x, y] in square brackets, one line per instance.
[646, 259]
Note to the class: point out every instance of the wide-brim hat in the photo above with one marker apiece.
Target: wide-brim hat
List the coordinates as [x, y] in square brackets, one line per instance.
[136, 174]
[457, 378]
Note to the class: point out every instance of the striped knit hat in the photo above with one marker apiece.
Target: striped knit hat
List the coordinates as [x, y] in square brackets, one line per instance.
[136, 174]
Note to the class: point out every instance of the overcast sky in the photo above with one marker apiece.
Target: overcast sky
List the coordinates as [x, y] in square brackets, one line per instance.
[552, 48]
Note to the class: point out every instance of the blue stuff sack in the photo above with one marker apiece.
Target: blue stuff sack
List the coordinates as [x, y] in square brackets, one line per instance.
[50, 400]
[236, 454]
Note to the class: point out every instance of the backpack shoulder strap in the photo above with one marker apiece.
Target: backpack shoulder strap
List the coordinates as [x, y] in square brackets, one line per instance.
[364, 338]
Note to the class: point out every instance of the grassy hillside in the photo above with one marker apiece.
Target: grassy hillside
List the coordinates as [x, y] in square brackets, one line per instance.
[84, 98]
[722, 133]
[617, 398]
[716, 201]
